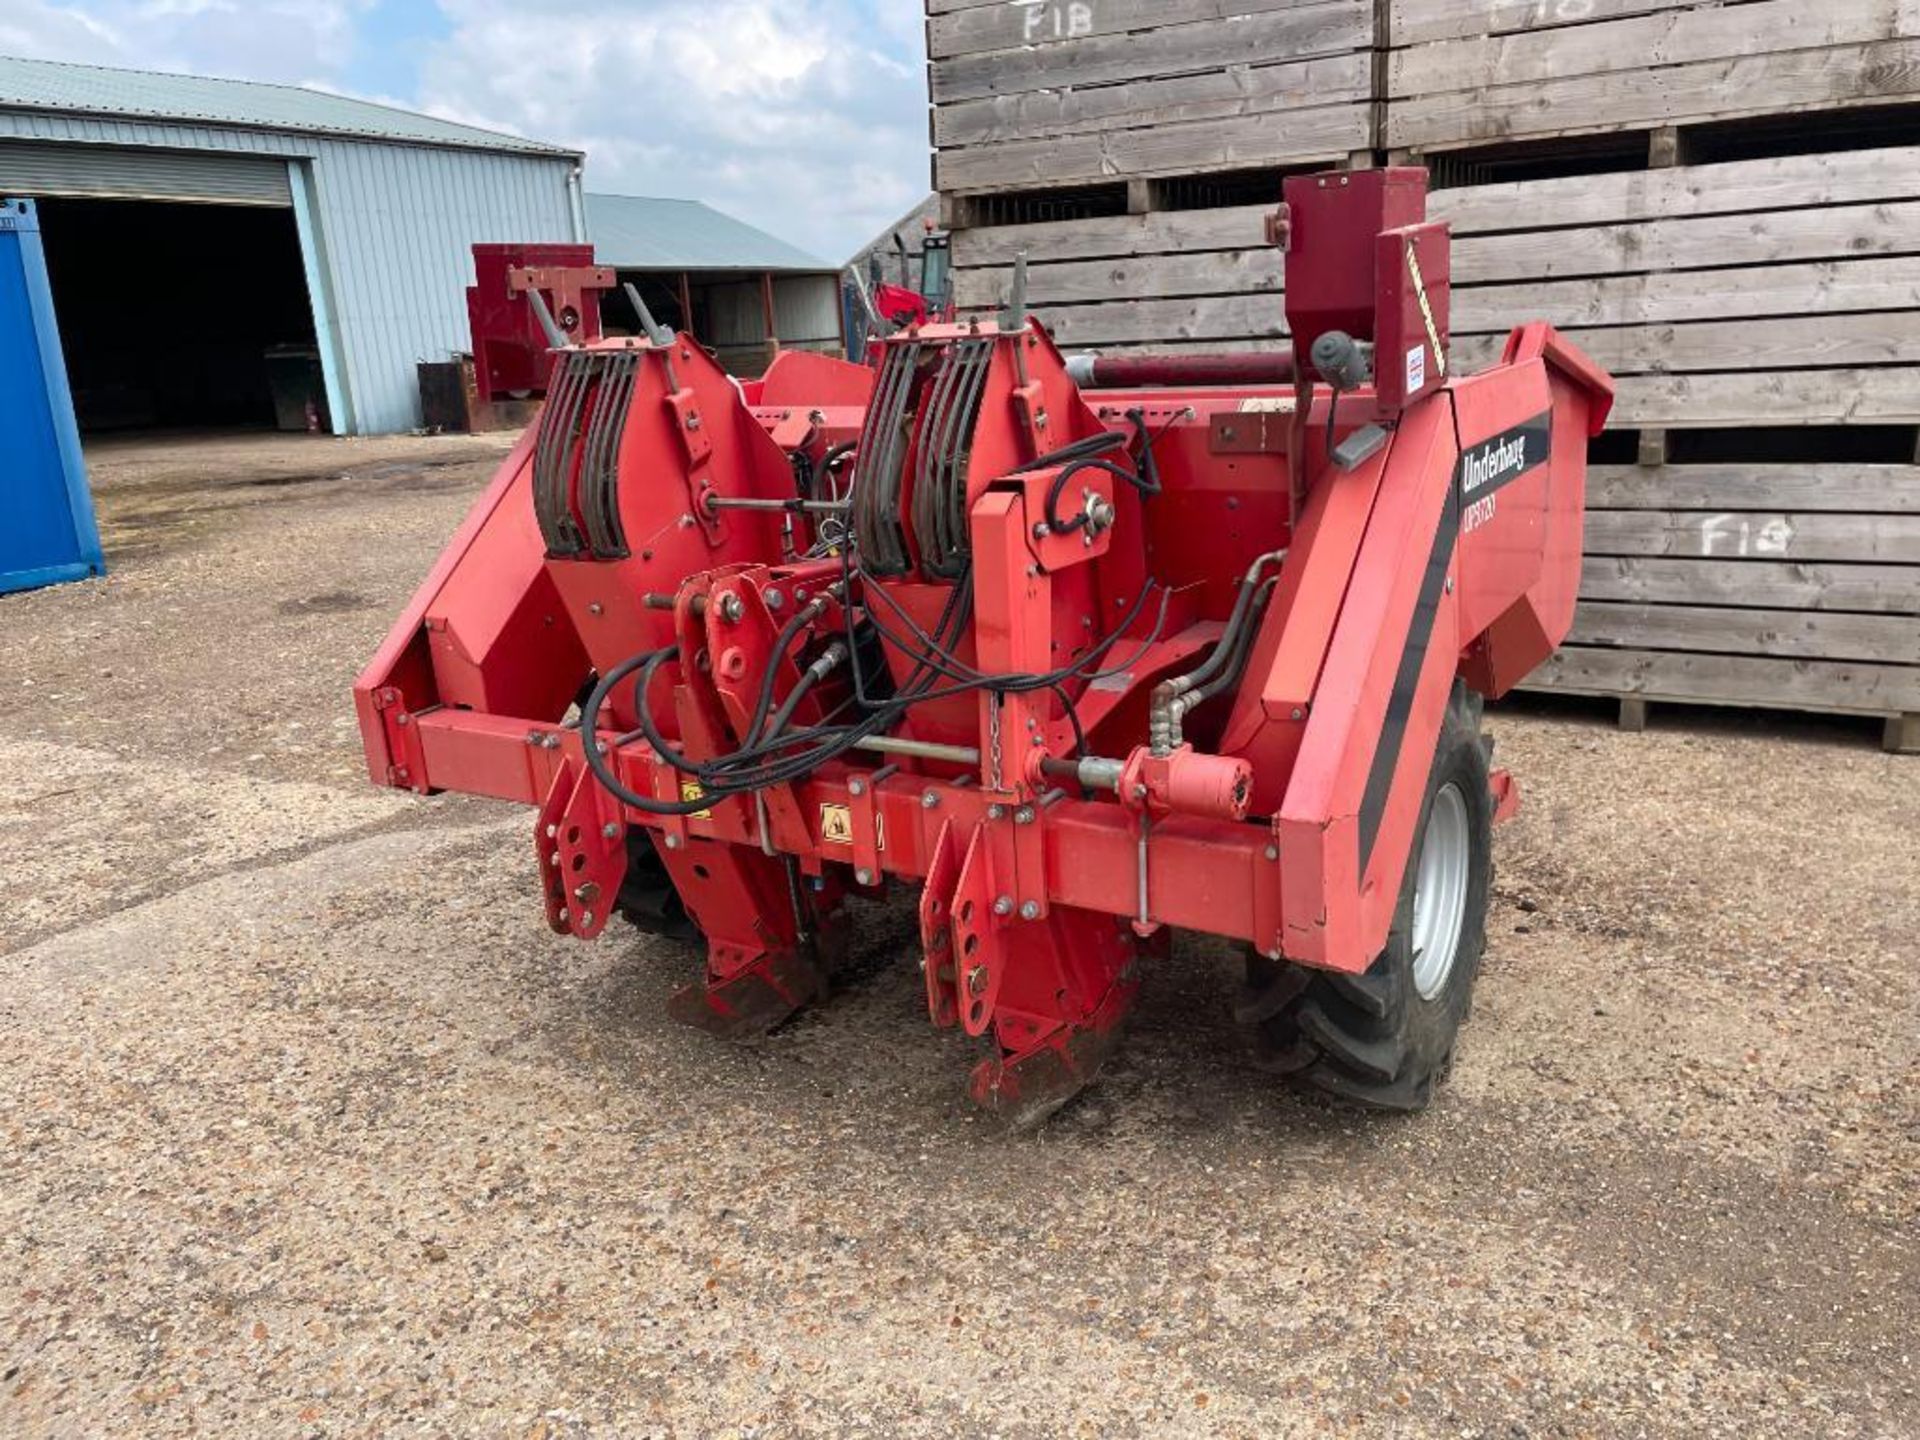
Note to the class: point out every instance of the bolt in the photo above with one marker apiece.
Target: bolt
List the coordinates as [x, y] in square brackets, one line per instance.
[856, 788]
[1030, 910]
[977, 980]
[611, 830]
[996, 812]
[775, 600]
[1023, 816]
[929, 800]
[1003, 906]
[586, 920]
[1449, 584]
[1298, 713]
[587, 893]
[403, 720]
[693, 422]
[863, 875]
[732, 608]
[1273, 852]
[596, 608]
[673, 842]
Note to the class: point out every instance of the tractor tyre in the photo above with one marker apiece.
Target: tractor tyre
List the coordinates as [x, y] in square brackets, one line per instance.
[1384, 1040]
[648, 900]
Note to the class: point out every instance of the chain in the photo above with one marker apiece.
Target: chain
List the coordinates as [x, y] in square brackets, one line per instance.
[997, 774]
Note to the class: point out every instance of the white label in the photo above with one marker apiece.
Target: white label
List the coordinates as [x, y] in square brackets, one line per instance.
[1416, 369]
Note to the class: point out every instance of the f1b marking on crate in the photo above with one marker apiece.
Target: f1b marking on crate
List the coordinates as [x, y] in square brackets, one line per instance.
[1047, 20]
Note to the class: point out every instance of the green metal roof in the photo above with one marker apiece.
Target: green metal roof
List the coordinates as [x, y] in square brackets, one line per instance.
[146, 94]
[636, 232]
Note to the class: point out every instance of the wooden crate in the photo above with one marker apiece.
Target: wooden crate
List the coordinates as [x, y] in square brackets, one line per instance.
[1769, 292]
[1477, 72]
[1064, 93]
[1789, 587]
[1782, 292]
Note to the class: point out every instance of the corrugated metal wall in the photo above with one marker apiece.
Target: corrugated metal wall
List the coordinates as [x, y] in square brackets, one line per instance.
[392, 225]
[806, 311]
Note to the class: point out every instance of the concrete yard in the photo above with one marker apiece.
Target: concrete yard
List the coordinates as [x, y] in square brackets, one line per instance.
[310, 1127]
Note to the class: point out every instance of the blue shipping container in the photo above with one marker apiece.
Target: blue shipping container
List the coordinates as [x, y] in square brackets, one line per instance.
[47, 531]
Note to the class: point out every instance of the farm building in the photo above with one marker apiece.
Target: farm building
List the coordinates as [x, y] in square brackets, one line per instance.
[1715, 200]
[739, 289]
[223, 252]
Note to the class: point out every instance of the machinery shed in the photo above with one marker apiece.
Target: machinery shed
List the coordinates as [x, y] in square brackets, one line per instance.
[740, 290]
[230, 254]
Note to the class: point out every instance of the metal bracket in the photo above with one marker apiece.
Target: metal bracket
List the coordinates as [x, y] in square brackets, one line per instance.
[581, 842]
[407, 762]
[936, 930]
[697, 444]
[979, 916]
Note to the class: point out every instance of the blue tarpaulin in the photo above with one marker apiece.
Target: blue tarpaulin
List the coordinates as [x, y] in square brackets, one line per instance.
[47, 531]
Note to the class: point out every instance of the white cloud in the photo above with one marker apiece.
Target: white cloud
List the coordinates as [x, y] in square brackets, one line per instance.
[806, 117]
[286, 41]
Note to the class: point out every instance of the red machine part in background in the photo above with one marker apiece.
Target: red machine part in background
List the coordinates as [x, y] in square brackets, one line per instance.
[512, 356]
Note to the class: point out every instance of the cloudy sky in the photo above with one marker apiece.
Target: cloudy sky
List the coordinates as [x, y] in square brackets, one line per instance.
[806, 117]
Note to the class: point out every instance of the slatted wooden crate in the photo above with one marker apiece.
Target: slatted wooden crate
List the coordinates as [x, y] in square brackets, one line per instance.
[1738, 302]
[1770, 293]
[1474, 72]
[1065, 93]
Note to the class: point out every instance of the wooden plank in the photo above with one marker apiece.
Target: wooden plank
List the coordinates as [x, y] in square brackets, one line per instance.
[1759, 535]
[1811, 343]
[1332, 27]
[1214, 95]
[1672, 37]
[1321, 133]
[1764, 397]
[1872, 489]
[1791, 182]
[1787, 182]
[1846, 686]
[1703, 242]
[983, 29]
[1416, 22]
[1773, 84]
[1206, 272]
[1822, 287]
[1581, 307]
[1771, 584]
[1839, 232]
[1213, 317]
[1800, 634]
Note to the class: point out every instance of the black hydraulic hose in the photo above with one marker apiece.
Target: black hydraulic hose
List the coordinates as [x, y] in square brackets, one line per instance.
[1242, 647]
[835, 454]
[1249, 585]
[763, 702]
[597, 760]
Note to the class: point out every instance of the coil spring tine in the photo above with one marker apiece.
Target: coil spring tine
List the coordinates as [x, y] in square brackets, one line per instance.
[951, 508]
[569, 483]
[962, 545]
[552, 462]
[871, 461]
[933, 425]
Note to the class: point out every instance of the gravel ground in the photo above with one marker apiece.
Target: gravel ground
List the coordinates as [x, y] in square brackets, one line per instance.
[308, 1126]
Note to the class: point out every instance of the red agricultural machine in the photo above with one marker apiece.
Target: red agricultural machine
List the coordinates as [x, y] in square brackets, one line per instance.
[1089, 651]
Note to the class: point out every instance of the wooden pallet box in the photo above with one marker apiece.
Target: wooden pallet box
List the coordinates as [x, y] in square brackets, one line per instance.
[1478, 72]
[1059, 93]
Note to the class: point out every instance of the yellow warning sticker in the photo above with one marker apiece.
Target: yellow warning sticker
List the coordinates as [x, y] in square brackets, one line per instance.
[836, 826]
[690, 790]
